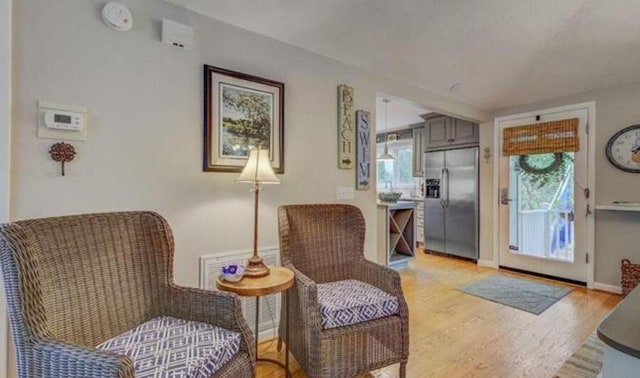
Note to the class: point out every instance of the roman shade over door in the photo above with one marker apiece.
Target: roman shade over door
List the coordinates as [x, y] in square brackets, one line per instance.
[541, 138]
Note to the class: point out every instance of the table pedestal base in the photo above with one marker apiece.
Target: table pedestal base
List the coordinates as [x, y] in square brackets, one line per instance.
[284, 366]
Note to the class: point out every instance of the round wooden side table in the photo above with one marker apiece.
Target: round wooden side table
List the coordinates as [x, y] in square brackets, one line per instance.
[279, 280]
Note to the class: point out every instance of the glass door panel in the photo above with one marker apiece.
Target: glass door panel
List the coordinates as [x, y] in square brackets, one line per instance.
[541, 206]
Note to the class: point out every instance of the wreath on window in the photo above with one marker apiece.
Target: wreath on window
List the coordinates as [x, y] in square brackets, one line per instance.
[556, 164]
[541, 175]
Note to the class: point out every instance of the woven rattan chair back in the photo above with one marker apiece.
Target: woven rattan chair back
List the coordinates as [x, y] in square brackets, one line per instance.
[85, 278]
[322, 241]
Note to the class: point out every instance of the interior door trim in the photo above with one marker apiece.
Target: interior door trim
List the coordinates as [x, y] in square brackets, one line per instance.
[590, 107]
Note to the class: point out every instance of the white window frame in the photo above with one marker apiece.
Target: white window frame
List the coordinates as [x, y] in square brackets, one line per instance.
[393, 147]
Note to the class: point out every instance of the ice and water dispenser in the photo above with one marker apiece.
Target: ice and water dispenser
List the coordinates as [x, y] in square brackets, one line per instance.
[432, 188]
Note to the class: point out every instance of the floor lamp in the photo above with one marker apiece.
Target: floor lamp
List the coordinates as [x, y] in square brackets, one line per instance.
[258, 171]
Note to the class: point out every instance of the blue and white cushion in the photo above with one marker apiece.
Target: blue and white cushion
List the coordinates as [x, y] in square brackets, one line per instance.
[349, 302]
[176, 348]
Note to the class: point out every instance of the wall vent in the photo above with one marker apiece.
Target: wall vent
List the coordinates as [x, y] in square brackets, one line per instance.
[210, 267]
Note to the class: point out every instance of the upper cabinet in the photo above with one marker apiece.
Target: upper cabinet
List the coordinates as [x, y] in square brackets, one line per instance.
[418, 151]
[444, 132]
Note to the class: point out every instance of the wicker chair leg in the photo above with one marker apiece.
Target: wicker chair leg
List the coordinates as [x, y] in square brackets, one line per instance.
[403, 370]
[279, 344]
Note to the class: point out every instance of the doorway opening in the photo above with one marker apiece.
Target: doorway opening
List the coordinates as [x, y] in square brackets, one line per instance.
[544, 190]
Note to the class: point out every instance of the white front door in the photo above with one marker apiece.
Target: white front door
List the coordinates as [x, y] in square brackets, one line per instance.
[544, 205]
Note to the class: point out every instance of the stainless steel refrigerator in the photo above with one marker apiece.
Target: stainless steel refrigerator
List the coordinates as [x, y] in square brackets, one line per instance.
[451, 202]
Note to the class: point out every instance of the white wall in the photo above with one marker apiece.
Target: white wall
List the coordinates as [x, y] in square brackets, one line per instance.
[145, 128]
[486, 194]
[617, 234]
[5, 137]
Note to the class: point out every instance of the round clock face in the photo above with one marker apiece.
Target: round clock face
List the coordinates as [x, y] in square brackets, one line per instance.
[623, 149]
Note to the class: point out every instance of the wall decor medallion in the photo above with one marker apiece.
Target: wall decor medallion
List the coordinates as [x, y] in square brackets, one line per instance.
[363, 154]
[63, 153]
[241, 111]
[623, 149]
[346, 129]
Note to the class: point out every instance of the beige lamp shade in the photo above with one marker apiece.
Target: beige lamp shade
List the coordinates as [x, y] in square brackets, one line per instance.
[258, 169]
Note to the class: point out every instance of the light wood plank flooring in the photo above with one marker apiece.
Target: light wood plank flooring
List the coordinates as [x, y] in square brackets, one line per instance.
[453, 334]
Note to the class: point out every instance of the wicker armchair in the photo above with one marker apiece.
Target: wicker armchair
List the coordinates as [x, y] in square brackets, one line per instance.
[323, 244]
[75, 282]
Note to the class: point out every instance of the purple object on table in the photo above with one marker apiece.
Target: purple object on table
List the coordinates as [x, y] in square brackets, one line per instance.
[230, 269]
[232, 272]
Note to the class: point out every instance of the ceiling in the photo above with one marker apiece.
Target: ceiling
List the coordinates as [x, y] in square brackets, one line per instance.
[400, 114]
[489, 53]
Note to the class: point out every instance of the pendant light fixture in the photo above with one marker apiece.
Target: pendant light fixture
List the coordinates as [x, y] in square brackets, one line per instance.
[385, 155]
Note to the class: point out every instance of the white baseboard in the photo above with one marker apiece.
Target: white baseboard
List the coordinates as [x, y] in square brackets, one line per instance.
[608, 288]
[268, 334]
[488, 264]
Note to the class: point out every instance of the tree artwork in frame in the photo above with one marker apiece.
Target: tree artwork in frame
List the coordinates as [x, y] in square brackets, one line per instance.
[241, 111]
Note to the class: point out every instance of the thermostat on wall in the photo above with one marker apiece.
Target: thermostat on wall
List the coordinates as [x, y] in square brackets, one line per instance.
[59, 121]
[63, 120]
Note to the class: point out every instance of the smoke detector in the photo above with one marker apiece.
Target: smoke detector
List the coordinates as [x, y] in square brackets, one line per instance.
[117, 16]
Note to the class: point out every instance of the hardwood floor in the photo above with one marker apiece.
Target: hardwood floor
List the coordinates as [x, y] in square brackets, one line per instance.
[453, 334]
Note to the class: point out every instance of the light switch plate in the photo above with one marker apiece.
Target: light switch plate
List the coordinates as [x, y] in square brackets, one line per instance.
[344, 192]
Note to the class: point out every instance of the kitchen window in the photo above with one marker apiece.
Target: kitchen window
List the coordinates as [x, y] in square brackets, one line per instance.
[396, 174]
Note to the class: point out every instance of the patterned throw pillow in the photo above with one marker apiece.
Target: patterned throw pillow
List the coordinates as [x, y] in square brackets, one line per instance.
[170, 347]
[349, 302]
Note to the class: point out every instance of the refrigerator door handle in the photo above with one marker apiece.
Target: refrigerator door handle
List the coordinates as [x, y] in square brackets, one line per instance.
[446, 201]
[442, 200]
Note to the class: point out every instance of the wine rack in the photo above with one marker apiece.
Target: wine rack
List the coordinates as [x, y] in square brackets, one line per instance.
[401, 226]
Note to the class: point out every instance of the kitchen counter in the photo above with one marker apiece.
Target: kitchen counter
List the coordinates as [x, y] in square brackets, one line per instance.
[412, 199]
[398, 205]
[620, 332]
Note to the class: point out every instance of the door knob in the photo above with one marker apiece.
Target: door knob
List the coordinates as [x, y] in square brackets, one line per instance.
[504, 196]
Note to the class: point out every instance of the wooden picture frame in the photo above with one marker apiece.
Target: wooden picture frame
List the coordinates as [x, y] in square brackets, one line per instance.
[241, 111]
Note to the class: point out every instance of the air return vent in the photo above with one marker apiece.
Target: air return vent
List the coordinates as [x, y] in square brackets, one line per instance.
[210, 267]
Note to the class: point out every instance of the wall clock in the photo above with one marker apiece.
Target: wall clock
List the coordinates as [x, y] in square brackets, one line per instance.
[623, 149]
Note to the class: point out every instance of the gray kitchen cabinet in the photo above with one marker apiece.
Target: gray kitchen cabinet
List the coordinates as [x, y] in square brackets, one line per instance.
[437, 132]
[396, 233]
[464, 132]
[418, 151]
[444, 132]
[420, 224]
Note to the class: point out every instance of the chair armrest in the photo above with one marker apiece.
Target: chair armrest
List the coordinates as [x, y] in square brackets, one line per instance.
[389, 281]
[305, 287]
[382, 277]
[218, 308]
[53, 358]
[305, 301]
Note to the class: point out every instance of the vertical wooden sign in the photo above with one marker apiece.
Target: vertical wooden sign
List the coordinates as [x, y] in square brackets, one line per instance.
[346, 132]
[363, 155]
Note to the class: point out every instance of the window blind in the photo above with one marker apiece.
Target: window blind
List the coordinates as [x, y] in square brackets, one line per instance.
[541, 138]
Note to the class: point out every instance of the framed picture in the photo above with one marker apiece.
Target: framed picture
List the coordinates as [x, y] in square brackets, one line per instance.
[240, 112]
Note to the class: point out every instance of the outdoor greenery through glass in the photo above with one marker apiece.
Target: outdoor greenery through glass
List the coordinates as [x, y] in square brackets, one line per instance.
[537, 190]
[541, 220]
[396, 173]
